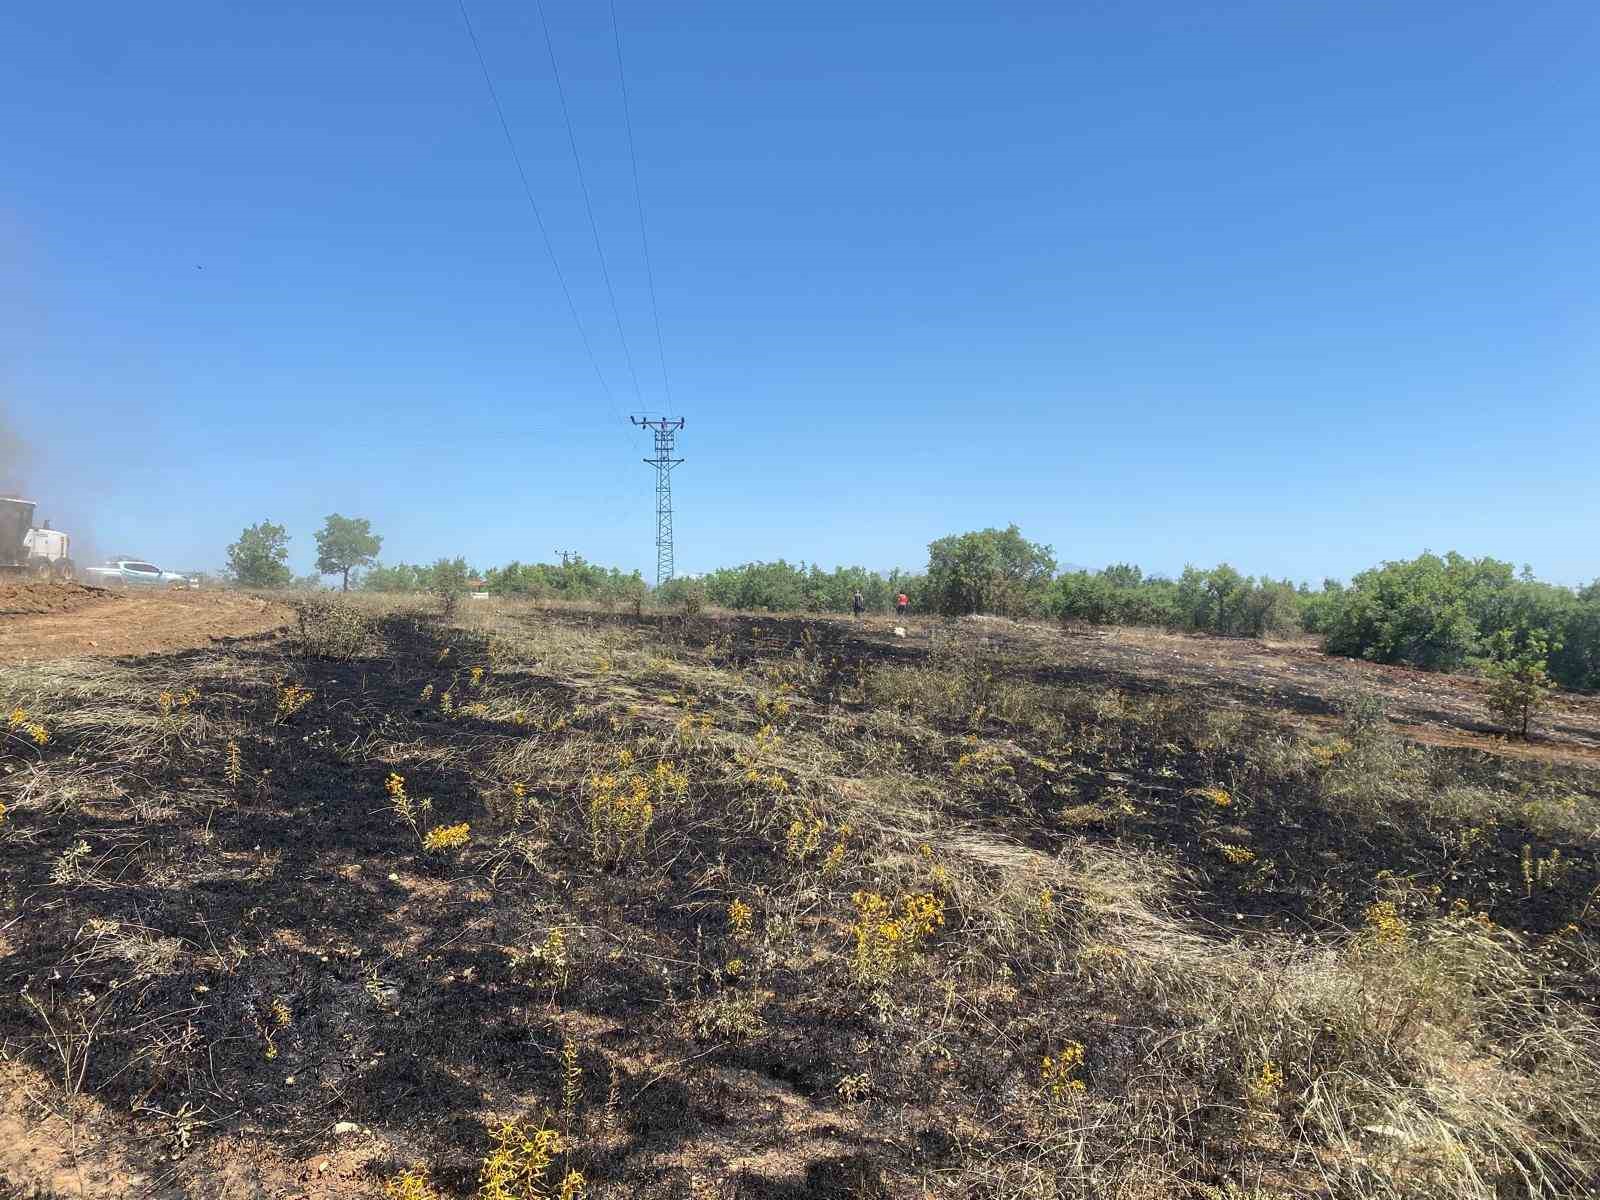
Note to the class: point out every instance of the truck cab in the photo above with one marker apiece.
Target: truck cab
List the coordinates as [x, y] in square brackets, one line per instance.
[49, 552]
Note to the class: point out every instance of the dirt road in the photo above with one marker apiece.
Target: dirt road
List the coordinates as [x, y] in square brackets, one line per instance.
[41, 621]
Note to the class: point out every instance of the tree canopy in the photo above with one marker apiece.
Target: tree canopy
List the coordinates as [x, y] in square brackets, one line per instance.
[989, 571]
[345, 543]
[260, 558]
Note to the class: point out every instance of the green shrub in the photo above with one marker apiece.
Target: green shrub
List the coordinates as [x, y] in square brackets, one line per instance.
[781, 586]
[574, 578]
[688, 596]
[989, 571]
[447, 579]
[1216, 601]
[1443, 612]
[1415, 612]
[1519, 679]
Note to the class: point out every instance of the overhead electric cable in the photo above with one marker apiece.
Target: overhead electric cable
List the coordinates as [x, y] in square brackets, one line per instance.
[527, 190]
[638, 201]
[588, 205]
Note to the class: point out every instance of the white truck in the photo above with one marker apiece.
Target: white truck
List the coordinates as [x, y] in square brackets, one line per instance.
[134, 572]
[25, 550]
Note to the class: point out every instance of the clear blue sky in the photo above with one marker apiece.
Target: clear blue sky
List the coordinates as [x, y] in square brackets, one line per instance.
[1297, 284]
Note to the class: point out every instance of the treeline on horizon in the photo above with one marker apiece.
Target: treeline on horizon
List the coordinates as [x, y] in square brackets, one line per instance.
[1437, 612]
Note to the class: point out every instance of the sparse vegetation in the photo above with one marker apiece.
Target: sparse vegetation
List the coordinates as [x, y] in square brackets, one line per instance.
[638, 909]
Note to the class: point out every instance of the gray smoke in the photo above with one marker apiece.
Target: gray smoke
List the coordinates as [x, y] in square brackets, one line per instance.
[14, 458]
[30, 474]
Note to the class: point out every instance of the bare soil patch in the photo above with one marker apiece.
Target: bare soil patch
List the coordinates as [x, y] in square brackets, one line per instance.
[75, 621]
[27, 598]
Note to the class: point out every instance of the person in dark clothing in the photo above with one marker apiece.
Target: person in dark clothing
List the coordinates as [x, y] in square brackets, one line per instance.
[858, 604]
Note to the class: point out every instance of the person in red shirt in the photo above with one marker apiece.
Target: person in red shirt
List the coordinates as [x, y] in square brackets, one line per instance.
[901, 603]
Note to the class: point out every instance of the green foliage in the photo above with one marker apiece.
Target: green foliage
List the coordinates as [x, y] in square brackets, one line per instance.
[1443, 613]
[1121, 594]
[781, 586]
[1429, 612]
[1519, 678]
[1216, 601]
[344, 543]
[1575, 660]
[686, 595]
[1317, 609]
[1223, 601]
[575, 579]
[769, 586]
[403, 577]
[772, 587]
[989, 571]
[447, 579]
[260, 558]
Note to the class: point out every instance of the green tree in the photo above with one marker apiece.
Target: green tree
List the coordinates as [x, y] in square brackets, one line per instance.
[1429, 612]
[1087, 597]
[344, 543]
[989, 570]
[1519, 678]
[260, 558]
[447, 579]
[1576, 663]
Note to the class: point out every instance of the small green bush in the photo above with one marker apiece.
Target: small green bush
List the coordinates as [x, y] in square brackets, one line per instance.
[1519, 679]
[688, 596]
[448, 581]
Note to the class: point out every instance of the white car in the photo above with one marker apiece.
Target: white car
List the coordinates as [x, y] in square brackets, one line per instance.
[131, 572]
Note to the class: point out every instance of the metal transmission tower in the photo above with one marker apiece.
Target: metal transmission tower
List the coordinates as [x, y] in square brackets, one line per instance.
[666, 431]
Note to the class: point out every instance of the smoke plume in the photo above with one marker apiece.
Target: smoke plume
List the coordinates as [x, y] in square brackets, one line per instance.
[13, 458]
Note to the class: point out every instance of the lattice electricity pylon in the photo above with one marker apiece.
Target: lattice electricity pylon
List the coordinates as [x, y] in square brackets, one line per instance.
[666, 432]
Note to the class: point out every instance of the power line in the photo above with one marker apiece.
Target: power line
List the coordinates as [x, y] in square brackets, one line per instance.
[527, 190]
[583, 184]
[638, 201]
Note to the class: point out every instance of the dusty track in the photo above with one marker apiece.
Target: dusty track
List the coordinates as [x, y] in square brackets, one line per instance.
[134, 623]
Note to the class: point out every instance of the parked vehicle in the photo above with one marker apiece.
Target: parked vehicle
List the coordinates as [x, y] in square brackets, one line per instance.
[134, 572]
[49, 552]
[44, 552]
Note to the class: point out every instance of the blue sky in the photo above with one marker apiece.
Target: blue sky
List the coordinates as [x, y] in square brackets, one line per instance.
[1300, 286]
